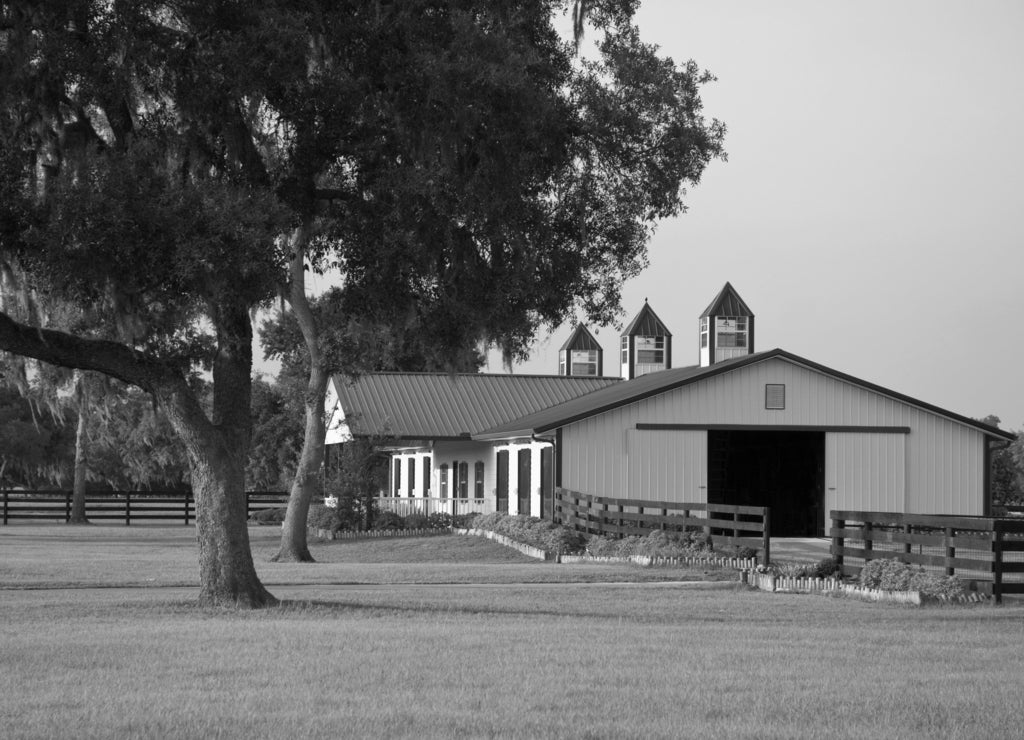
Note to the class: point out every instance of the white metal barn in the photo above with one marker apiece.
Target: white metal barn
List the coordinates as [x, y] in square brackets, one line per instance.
[765, 429]
[741, 427]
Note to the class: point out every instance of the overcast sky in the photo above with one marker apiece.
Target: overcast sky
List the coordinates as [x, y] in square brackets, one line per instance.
[870, 209]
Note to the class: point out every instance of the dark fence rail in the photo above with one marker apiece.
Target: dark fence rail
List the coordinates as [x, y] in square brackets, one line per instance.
[986, 552]
[126, 506]
[740, 526]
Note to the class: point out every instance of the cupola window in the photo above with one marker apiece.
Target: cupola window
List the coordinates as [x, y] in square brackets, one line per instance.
[730, 331]
[584, 362]
[650, 350]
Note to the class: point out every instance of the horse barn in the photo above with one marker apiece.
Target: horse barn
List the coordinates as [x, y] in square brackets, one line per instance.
[740, 428]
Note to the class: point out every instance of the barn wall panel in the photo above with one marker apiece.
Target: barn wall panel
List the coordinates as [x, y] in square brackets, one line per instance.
[865, 471]
[667, 465]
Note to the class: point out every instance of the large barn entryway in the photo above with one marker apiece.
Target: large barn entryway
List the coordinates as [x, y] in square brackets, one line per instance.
[779, 469]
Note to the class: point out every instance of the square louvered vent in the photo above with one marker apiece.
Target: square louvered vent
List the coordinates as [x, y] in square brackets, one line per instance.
[775, 396]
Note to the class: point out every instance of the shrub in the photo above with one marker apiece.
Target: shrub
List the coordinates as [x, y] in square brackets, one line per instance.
[821, 569]
[536, 532]
[443, 520]
[657, 544]
[825, 568]
[890, 574]
[416, 521]
[321, 517]
[269, 516]
[599, 546]
[388, 520]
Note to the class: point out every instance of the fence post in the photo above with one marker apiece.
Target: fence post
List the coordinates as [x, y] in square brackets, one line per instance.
[838, 542]
[67, 506]
[866, 534]
[735, 521]
[185, 499]
[664, 513]
[997, 564]
[766, 539]
[5, 507]
[906, 545]
[950, 551]
[127, 508]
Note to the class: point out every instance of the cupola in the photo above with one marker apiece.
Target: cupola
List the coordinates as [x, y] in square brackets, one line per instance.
[581, 355]
[646, 345]
[726, 328]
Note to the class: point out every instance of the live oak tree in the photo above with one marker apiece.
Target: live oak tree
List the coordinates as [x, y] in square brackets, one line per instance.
[175, 164]
[473, 180]
[124, 189]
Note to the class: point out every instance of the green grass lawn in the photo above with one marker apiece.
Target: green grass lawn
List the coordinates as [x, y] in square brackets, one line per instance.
[495, 652]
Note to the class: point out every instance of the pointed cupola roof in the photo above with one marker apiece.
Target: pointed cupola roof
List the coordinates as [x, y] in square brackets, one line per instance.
[581, 338]
[646, 324]
[728, 303]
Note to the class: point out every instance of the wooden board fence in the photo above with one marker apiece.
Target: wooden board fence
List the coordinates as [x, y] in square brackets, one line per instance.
[738, 526]
[126, 506]
[987, 552]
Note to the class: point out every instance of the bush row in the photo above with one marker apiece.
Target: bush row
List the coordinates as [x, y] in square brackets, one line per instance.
[657, 544]
[890, 574]
[563, 540]
[822, 569]
[536, 532]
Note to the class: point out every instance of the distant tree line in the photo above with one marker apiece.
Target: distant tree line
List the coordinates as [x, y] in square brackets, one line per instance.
[1007, 469]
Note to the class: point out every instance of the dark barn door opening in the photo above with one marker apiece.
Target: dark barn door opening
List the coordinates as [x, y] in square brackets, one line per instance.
[782, 470]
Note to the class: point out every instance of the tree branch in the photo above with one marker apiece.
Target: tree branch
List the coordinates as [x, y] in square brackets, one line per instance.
[67, 350]
[110, 358]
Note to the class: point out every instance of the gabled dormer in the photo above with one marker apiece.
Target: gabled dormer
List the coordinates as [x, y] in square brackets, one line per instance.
[726, 328]
[646, 345]
[581, 355]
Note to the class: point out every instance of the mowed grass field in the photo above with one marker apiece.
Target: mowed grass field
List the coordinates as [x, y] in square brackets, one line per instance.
[458, 637]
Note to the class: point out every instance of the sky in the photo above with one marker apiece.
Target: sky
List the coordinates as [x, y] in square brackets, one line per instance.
[870, 211]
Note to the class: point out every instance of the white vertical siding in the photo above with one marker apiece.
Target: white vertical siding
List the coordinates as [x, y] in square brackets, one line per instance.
[943, 460]
[865, 471]
[668, 465]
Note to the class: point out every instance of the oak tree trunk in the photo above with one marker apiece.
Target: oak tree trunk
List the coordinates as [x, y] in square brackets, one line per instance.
[294, 543]
[227, 574]
[217, 453]
[294, 547]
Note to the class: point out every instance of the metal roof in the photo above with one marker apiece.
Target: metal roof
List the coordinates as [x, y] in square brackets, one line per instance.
[727, 303]
[581, 338]
[663, 381]
[450, 406]
[646, 324]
